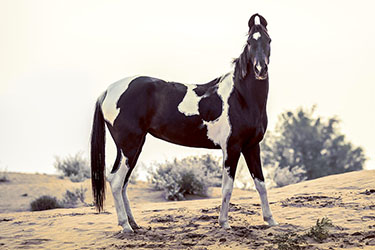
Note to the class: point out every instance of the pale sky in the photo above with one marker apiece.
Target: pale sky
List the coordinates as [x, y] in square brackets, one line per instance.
[56, 57]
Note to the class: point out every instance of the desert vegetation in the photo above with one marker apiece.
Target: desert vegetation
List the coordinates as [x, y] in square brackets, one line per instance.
[70, 200]
[44, 202]
[75, 167]
[304, 146]
[189, 176]
[4, 175]
[292, 240]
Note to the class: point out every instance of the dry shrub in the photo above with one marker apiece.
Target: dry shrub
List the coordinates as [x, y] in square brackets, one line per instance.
[44, 202]
[191, 175]
[75, 167]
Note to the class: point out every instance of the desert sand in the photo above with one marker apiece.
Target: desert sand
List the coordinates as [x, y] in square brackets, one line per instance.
[348, 200]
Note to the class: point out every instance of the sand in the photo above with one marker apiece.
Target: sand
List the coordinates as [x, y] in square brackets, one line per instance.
[348, 200]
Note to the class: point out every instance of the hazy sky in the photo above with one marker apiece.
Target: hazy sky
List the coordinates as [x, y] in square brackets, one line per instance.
[56, 57]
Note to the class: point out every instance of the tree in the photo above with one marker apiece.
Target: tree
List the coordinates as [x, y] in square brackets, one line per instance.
[309, 147]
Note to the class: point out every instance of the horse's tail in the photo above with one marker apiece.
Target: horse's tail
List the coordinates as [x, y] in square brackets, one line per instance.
[98, 157]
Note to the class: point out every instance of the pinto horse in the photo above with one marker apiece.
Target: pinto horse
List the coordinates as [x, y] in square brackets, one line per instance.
[227, 113]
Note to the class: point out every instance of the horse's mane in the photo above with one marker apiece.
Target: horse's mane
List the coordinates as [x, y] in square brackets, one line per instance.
[241, 64]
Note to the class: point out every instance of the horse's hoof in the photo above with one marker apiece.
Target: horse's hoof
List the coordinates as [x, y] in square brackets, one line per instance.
[134, 225]
[272, 222]
[127, 229]
[224, 225]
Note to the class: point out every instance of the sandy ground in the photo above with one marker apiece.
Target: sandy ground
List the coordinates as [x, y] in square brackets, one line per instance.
[347, 199]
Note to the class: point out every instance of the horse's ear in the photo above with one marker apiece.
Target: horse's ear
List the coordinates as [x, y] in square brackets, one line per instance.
[263, 21]
[252, 21]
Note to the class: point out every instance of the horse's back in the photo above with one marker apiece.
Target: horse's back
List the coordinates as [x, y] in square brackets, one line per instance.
[140, 97]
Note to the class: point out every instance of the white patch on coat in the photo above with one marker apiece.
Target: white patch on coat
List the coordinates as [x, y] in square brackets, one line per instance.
[114, 92]
[226, 189]
[256, 35]
[190, 104]
[219, 130]
[116, 181]
[259, 68]
[267, 215]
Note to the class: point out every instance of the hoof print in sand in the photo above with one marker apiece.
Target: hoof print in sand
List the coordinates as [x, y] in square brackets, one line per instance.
[312, 201]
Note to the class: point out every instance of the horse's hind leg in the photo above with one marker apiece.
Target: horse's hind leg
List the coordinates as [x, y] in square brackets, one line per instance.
[116, 179]
[131, 219]
[252, 157]
[119, 177]
[133, 157]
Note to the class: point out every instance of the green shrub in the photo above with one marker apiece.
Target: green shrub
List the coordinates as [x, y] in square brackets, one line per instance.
[44, 202]
[320, 232]
[191, 175]
[291, 240]
[75, 167]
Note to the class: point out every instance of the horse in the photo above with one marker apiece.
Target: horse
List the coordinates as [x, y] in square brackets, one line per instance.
[227, 113]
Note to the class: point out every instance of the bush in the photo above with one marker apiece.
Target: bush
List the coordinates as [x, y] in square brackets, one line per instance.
[44, 202]
[3, 175]
[284, 176]
[75, 167]
[309, 148]
[72, 198]
[291, 240]
[320, 232]
[191, 175]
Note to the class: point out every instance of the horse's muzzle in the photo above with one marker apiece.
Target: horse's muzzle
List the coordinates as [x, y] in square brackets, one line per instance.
[261, 71]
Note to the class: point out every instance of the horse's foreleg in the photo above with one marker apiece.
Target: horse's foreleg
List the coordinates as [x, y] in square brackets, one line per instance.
[229, 170]
[116, 181]
[252, 157]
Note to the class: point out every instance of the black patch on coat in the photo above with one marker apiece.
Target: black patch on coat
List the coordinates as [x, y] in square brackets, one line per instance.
[211, 107]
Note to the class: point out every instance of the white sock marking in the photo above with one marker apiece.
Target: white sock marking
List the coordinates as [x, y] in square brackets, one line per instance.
[114, 92]
[219, 130]
[189, 105]
[116, 181]
[256, 35]
[226, 189]
[127, 204]
[267, 215]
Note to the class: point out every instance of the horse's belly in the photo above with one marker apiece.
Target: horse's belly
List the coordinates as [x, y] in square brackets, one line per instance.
[184, 135]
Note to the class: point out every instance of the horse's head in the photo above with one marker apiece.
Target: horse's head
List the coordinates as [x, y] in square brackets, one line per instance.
[258, 46]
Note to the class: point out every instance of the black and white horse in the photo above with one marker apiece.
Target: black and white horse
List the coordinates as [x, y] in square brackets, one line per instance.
[228, 113]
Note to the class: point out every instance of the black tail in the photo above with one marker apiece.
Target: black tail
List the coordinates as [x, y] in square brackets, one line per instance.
[98, 157]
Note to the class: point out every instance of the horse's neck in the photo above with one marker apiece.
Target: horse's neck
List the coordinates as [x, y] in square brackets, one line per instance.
[253, 92]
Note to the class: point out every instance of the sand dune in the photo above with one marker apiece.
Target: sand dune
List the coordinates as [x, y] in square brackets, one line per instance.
[347, 199]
